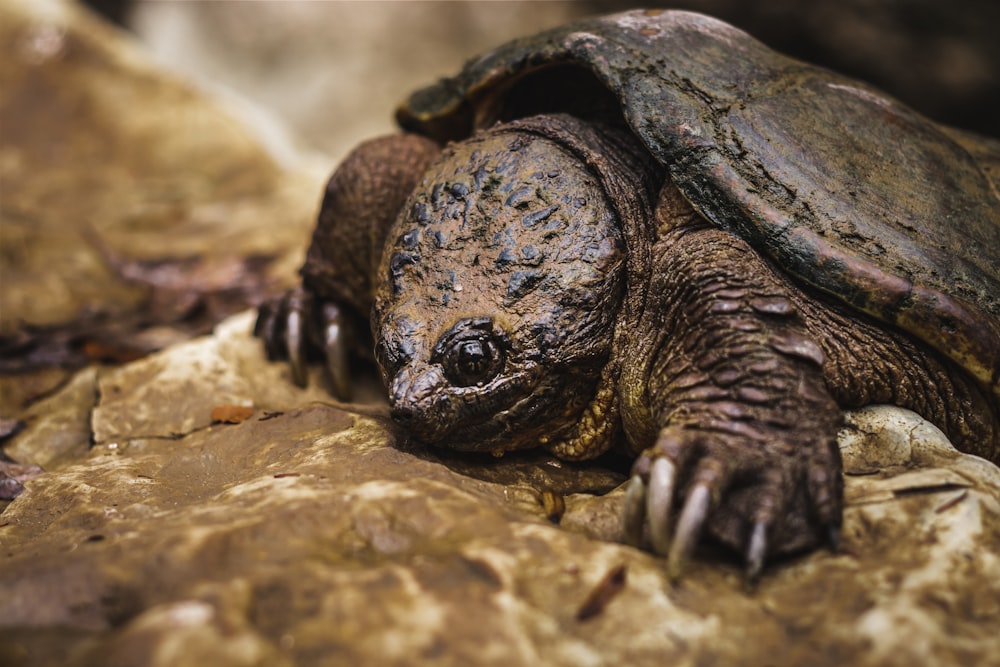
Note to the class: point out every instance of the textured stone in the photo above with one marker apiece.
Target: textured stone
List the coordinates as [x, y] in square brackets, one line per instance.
[134, 208]
[59, 425]
[312, 533]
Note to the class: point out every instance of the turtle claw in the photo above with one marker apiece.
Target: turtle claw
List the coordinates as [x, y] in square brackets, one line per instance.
[335, 350]
[756, 552]
[659, 499]
[689, 527]
[266, 328]
[295, 343]
[635, 511]
[297, 326]
[751, 498]
[294, 310]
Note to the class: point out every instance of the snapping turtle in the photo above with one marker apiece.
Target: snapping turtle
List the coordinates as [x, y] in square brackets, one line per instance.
[649, 230]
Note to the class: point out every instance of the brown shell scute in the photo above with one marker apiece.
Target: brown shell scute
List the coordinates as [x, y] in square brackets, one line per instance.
[847, 190]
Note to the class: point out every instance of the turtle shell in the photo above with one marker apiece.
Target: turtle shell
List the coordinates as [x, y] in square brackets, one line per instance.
[844, 188]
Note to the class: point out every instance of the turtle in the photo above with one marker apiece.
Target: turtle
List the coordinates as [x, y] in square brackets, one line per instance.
[650, 232]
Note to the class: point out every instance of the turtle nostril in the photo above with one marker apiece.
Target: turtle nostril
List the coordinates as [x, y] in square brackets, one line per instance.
[419, 422]
[418, 402]
[404, 415]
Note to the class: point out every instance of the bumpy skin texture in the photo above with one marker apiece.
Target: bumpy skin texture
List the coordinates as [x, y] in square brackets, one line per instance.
[576, 281]
[843, 187]
[361, 201]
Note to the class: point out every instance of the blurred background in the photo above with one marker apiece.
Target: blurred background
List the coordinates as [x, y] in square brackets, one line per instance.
[334, 71]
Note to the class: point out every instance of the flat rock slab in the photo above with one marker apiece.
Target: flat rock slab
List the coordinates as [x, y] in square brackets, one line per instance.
[311, 533]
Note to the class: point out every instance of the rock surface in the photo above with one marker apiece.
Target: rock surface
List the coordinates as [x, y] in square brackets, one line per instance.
[135, 210]
[309, 532]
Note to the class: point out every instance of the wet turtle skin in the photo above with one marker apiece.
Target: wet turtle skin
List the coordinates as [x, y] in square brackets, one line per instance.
[649, 231]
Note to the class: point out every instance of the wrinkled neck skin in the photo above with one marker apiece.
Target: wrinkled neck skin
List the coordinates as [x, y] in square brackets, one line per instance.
[503, 285]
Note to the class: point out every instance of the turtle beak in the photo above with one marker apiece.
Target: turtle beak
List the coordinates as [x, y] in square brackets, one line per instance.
[418, 401]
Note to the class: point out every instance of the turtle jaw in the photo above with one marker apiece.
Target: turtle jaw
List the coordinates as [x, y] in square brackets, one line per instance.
[418, 401]
[524, 409]
[499, 416]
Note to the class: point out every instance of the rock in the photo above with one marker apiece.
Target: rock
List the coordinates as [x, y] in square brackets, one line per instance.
[59, 425]
[311, 532]
[141, 211]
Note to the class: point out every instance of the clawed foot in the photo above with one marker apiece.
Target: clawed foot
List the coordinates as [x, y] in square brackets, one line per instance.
[759, 497]
[298, 327]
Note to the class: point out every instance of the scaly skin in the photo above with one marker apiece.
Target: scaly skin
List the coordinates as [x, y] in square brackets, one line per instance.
[743, 373]
[544, 286]
[361, 201]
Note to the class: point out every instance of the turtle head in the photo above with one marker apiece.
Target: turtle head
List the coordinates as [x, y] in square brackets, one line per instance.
[498, 293]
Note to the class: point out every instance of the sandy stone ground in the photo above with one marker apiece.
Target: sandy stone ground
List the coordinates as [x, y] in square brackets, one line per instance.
[196, 508]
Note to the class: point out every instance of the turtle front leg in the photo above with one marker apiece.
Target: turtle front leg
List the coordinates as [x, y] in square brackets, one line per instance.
[326, 317]
[746, 446]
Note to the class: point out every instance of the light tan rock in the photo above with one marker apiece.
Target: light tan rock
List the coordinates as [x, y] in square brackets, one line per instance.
[103, 152]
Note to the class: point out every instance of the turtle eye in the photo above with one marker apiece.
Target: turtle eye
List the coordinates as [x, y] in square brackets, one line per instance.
[473, 358]
[470, 354]
[473, 361]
